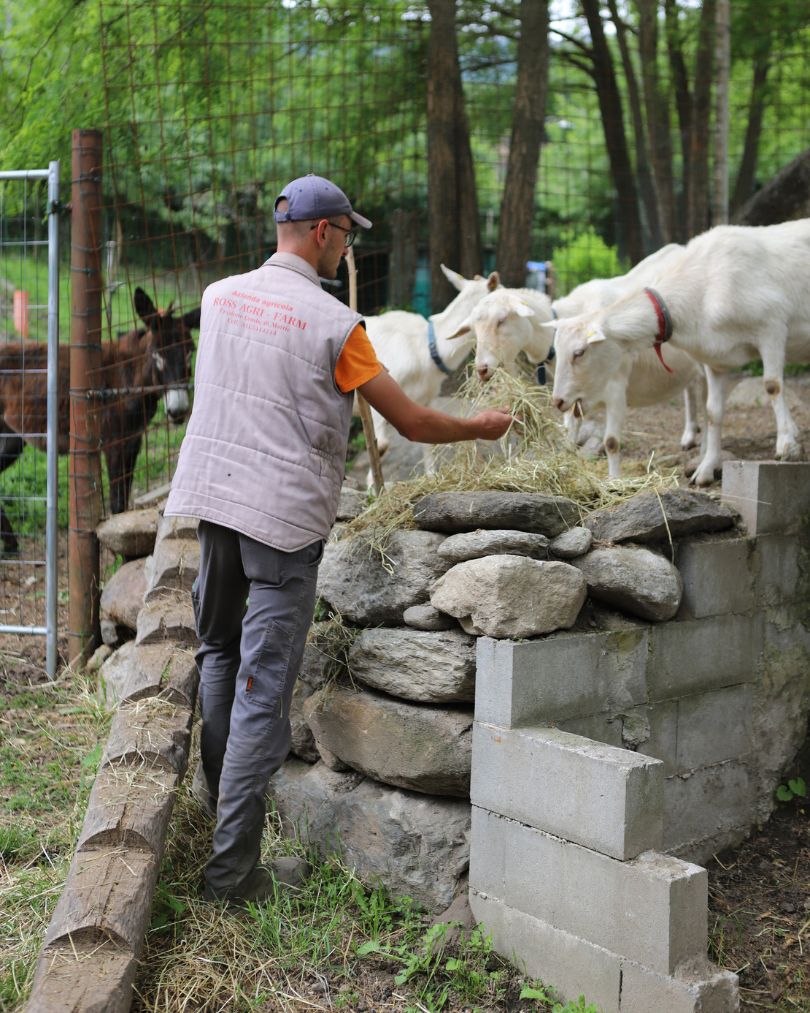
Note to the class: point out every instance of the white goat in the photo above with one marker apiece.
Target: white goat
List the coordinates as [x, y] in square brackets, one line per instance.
[416, 351]
[737, 293]
[504, 323]
[639, 381]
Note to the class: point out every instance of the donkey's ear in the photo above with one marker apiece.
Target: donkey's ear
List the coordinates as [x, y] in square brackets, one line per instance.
[144, 306]
[192, 319]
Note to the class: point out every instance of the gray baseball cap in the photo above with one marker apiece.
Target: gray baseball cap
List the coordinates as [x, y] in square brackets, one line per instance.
[310, 197]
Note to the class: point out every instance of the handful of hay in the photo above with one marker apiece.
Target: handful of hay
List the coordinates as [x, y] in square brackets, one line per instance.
[535, 456]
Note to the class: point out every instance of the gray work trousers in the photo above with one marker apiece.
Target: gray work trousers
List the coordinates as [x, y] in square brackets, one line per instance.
[249, 659]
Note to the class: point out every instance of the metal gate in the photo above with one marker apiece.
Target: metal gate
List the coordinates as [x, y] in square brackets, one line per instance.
[29, 344]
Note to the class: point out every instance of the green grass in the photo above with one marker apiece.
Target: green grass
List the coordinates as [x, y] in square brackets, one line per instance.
[50, 746]
[336, 942]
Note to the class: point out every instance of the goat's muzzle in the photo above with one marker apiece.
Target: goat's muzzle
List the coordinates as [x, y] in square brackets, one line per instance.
[483, 373]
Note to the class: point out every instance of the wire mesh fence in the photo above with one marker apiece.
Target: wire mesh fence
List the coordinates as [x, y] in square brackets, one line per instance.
[207, 110]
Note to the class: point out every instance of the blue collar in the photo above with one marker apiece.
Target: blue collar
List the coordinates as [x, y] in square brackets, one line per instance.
[434, 351]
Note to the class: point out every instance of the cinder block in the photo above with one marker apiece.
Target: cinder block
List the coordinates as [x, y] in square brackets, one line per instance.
[718, 576]
[569, 965]
[697, 987]
[602, 797]
[604, 728]
[702, 654]
[563, 676]
[777, 559]
[706, 803]
[769, 495]
[713, 727]
[662, 744]
[652, 909]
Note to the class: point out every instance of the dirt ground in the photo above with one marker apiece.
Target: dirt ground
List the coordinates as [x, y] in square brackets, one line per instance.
[760, 892]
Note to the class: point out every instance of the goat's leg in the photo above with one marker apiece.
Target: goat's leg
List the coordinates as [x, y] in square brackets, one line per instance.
[615, 409]
[715, 409]
[691, 428]
[788, 447]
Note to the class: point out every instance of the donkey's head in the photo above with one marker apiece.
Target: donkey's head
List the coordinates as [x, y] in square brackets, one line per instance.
[171, 347]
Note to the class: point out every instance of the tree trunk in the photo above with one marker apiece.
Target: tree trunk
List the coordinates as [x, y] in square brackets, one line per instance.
[653, 234]
[454, 231]
[656, 107]
[698, 206]
[744, 186]
[517, 205]
[784, 198]
[683, 103]
[610, 106]
[723, 71]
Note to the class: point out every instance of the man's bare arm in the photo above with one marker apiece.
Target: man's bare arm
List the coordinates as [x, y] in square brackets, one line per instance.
[425, 425]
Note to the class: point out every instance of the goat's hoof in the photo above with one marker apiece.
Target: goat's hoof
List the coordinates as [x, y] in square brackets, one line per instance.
[791, 452]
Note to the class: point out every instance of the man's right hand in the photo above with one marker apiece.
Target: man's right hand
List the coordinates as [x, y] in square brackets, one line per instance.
[492, 424]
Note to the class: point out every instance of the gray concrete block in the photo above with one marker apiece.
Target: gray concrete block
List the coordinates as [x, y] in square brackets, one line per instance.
[769, 495]
[569, 965]
[652, 909]
[604, 728]
[702, 654]
[779, 575]
[558, 677]
[713, 727]
[662, 743]
[602, 797]
[705, 804]
[718, 576]
[698, 987]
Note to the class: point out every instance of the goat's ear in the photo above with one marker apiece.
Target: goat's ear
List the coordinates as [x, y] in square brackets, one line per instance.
[144, 306]
[550, 325]
[493, 281]
[523, 309]
[464, 329]
[192, 319]
[595, 334]
[456, 280]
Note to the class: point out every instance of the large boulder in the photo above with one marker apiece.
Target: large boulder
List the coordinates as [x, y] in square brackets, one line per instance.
[323, 659]
[121, 601]
[659, 516]
[136, 671]
[465, 511]
[511, 596]
[425, 749]
[370, 590]
[169, 617]
[414, 845]
[414, 665]
[633, 579]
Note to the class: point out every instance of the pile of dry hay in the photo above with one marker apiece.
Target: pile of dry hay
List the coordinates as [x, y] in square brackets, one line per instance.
[536, 456]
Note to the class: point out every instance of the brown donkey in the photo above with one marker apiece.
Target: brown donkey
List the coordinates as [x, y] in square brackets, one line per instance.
[137, 369]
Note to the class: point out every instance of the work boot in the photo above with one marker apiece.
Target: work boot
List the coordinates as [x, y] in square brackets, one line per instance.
[285, 875]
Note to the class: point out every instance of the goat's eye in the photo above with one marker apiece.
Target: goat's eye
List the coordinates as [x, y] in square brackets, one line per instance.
[577, 353]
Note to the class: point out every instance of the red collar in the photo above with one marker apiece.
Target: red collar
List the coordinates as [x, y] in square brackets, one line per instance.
[664, 323]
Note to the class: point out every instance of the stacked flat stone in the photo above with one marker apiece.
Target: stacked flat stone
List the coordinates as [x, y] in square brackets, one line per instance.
[393, 722]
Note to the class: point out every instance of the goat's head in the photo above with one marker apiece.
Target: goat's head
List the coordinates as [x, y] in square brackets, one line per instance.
[171, 347]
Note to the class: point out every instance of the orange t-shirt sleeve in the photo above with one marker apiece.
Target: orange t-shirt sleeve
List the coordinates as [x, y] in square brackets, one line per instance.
[357, 362]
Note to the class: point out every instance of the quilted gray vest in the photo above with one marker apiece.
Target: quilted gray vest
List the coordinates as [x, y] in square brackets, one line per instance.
[265, 447]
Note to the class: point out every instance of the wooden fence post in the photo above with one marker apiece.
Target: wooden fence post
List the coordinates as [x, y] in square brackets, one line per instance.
[84, 472]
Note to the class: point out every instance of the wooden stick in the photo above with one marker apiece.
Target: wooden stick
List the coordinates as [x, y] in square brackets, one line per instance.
[363, 409]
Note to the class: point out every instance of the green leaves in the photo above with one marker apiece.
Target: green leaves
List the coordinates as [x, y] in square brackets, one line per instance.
[796, 787]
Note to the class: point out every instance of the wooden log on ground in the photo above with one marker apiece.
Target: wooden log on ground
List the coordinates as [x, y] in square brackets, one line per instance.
[150, 733]
[107, 896]
[84, 975]
[137, 671]
[129, 807]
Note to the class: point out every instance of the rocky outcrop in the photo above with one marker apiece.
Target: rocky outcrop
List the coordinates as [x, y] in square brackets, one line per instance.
[453, 512]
